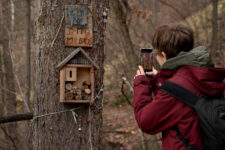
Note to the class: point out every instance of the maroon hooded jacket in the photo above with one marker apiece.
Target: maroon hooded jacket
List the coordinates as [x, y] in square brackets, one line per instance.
[161, 113]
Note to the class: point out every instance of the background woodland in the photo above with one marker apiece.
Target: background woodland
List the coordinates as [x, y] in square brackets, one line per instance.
[130, 26]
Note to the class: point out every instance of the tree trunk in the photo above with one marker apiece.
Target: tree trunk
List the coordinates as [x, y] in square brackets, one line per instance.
[59, 131]
[12, 15]
[10, 97]
[122, 12]
[28, 14]
[2, 103]
[215, 52]
[214, 26]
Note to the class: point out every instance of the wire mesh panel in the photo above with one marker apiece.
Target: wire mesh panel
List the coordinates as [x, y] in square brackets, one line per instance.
[80, 59]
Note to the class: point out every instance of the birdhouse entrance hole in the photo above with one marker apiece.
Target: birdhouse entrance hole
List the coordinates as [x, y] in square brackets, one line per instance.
[70, 74]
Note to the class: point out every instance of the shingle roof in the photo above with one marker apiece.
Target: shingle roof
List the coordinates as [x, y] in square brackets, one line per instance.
[74, 53]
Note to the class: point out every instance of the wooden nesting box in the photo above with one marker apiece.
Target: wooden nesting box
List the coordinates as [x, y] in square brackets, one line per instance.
[77, 78]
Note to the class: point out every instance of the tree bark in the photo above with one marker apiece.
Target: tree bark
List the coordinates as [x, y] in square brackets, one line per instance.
[10, 97]
[60, 131]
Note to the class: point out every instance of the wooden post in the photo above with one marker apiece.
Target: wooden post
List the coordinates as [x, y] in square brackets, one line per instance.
[62, 85]
[92, 83]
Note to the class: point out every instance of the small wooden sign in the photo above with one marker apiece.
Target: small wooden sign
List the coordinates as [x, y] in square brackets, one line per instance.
[78, 28]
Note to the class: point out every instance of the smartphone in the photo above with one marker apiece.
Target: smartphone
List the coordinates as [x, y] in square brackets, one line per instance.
[146, 59]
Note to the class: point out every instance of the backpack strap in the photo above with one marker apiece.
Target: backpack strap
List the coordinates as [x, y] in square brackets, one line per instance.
[187, 97]
[180, 93]
[185, 141]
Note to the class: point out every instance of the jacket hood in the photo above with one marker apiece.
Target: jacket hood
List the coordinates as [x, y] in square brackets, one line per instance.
[197, 66]
[208, 80]
[197, 57]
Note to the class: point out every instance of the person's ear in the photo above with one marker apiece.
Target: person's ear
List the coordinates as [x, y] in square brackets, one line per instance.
[164, 55]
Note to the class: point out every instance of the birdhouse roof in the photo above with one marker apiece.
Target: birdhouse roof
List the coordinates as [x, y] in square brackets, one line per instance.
[74, 53]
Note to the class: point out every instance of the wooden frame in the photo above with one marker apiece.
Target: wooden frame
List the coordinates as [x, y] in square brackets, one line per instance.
[62, 85]
[63, 80]
[91, 85]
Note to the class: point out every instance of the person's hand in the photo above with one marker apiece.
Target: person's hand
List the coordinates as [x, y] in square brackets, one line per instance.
[141, 71]
[153, 72]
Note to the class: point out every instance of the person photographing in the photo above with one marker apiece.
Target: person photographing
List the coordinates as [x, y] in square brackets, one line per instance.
[183, 65]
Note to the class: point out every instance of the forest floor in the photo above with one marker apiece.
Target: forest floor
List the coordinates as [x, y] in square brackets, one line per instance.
[121, 132]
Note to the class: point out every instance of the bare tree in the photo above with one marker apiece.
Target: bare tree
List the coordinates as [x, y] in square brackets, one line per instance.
[214, 26]
[28, 14]
[216, 53]
[1, 82]
[10, 97]
[12, 5]
[122, 12]
[1, 64]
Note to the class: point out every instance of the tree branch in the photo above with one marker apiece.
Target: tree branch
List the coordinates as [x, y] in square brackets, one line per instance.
[176, 10]
[125, 81]
[16, 117]
[9, 137]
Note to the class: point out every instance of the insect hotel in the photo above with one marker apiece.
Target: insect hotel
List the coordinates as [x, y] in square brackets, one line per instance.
[77, 78]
